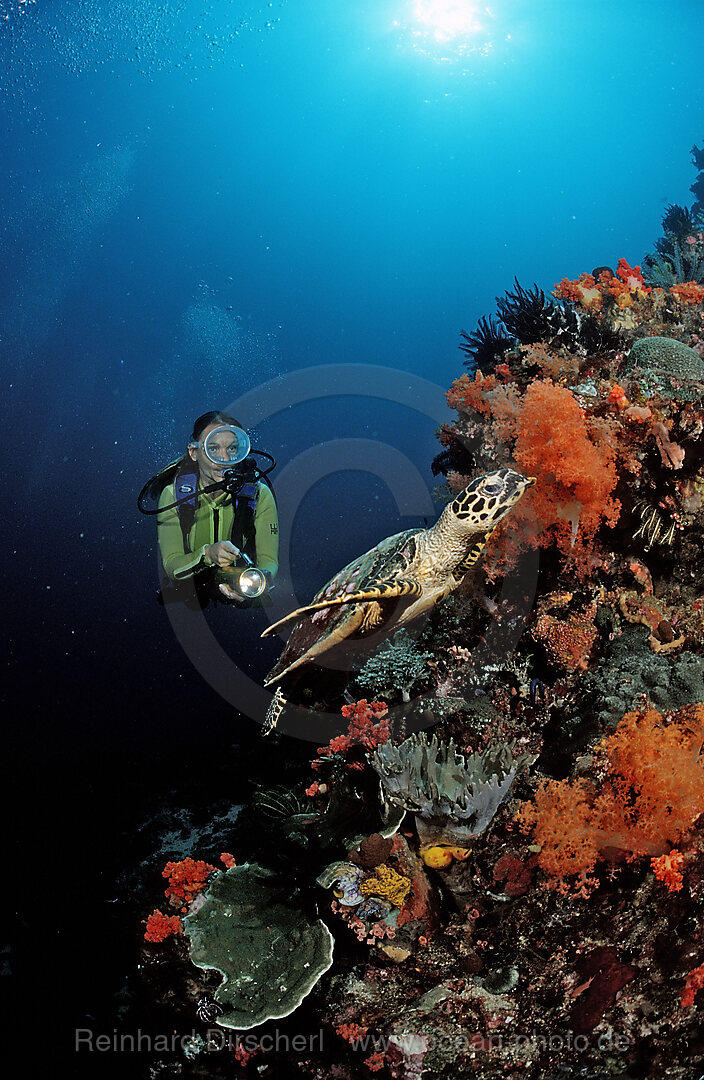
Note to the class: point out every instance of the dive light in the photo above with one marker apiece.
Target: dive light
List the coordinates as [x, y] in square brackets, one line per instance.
[249, 581]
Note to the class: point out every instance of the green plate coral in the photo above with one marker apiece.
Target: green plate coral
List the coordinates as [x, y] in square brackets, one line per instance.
[270, 953]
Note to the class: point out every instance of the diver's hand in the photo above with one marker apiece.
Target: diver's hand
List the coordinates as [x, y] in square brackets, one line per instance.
[230, 594]
[222, 554]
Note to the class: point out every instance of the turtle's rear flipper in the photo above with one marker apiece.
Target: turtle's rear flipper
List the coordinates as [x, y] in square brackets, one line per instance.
[384, 590]
[276, 707]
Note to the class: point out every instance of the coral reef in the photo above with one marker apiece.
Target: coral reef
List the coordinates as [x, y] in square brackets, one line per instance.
[545, 429]
[493, 919]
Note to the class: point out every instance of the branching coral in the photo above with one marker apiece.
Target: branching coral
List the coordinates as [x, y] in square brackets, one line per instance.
[653, 794]
[396, 666]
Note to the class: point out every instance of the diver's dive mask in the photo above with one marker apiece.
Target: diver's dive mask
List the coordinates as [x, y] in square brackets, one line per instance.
[225, 446]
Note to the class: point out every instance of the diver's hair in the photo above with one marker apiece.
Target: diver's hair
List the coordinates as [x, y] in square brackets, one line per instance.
[212, 417]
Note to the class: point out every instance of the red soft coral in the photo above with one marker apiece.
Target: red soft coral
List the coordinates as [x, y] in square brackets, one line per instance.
[653, 795]
[187, 878]
[160, 926]
[695, 983]
[368, 728]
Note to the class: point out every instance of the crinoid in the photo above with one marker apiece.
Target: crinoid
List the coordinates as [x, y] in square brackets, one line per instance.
[486, 345]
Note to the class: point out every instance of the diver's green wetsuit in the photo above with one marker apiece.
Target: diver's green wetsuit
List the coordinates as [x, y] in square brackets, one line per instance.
[213, 522]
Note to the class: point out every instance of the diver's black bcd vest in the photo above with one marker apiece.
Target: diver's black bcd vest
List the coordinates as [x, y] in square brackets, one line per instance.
[186, 494]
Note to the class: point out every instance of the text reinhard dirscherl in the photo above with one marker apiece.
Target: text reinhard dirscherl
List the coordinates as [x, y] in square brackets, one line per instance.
[214, 1039]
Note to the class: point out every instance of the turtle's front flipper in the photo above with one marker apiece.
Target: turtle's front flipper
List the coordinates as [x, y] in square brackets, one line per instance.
[383, 590]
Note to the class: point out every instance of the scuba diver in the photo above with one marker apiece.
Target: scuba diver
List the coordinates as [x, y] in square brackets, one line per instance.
[217, 521]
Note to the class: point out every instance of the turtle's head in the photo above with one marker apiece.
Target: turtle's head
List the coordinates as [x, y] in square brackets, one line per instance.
[488, 499]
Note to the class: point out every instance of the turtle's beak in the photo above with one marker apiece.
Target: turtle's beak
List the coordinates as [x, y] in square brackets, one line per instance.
[522, 483]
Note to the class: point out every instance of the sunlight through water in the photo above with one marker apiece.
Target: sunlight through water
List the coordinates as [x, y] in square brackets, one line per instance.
[446, 30]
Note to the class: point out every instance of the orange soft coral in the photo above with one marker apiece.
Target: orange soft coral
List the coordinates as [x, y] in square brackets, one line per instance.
[667, 868]
[561, 818]
[688, 292]
[466, 393]
[653, 795]
[575, 467]
[583, 290]
[547, 434]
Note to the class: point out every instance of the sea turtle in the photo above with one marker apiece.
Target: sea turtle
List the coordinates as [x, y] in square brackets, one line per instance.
[401, 578]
